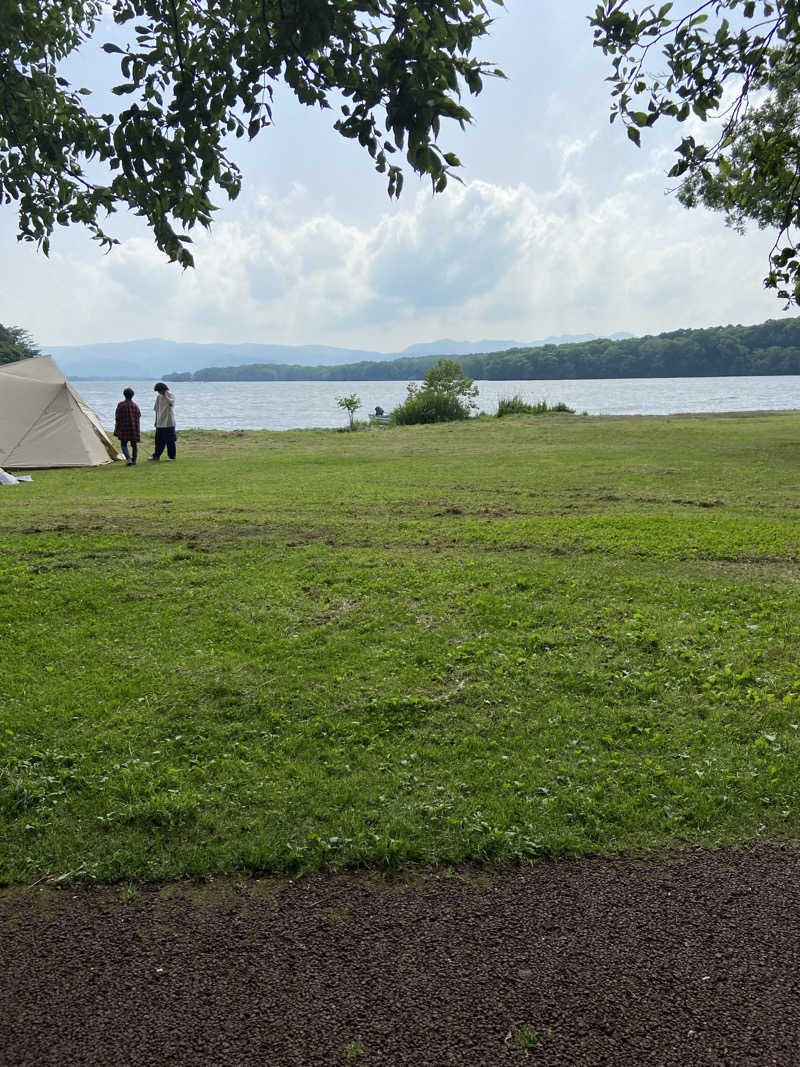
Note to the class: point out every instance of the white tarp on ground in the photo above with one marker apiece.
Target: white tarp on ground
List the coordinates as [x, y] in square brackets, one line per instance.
[44, 422]
[7, 479]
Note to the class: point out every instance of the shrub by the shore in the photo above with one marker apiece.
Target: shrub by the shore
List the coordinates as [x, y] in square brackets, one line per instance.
[445, 396]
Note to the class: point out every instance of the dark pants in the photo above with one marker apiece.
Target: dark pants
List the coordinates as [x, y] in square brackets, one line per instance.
[131, 458]
[165, 438]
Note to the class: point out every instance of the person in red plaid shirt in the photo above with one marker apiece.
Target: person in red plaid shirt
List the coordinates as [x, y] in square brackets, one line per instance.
[126, 427]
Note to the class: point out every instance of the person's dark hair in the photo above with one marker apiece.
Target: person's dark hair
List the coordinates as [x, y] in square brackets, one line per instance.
[159, 387]
[128, 393]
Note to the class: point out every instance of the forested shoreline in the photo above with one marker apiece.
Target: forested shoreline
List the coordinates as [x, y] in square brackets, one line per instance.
[773, 347]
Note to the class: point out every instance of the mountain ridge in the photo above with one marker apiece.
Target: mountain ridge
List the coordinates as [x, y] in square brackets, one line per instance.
[124, 359]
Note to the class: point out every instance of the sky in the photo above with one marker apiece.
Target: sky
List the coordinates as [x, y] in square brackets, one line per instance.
[561, 226]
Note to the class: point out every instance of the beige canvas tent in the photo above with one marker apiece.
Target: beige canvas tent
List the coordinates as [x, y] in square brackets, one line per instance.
[44, 422]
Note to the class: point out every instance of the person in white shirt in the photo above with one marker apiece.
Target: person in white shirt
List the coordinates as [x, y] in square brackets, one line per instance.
[166, 435]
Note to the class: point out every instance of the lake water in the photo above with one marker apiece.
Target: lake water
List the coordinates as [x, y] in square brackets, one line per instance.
[300, 405]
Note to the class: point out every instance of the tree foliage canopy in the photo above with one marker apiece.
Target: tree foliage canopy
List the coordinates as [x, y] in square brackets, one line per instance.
[195, 74]
[736, 62]
[16, 343]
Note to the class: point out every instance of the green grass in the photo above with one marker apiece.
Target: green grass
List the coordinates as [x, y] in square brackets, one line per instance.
[504, 639]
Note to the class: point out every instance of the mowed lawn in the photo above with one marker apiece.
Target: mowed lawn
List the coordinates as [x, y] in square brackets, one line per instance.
[507, 639]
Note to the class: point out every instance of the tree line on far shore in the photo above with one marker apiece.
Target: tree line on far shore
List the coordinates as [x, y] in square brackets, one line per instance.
[772, 347]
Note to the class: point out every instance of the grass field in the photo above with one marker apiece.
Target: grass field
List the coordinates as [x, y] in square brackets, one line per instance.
[505, 639]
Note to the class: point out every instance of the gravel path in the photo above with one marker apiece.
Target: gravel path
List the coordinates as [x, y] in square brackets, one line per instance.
[690, 960]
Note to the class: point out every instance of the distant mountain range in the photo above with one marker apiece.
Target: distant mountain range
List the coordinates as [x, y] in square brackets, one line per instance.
[154, 358]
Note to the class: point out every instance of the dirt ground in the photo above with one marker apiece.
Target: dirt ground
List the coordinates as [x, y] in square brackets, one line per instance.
[691, 959]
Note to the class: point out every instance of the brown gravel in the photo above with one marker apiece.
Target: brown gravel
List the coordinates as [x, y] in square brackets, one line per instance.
[688, 960]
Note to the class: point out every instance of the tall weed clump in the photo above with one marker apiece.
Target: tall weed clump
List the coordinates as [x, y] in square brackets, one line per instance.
[515, 405]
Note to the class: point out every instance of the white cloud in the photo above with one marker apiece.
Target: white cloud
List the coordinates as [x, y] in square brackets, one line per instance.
[482, 260]
[573, 149]
[441, 255]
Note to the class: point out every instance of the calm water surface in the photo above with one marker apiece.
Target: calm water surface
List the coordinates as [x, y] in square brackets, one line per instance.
[300, 405]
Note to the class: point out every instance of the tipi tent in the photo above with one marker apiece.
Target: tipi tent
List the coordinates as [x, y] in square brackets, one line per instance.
[44, 422]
